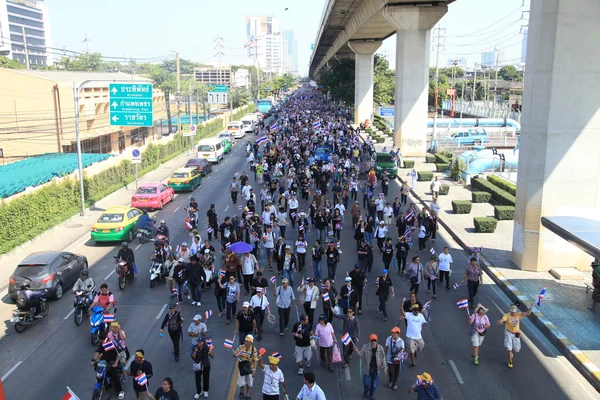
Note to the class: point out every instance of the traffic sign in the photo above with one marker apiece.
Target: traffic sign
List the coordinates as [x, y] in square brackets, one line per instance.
[188, 130]
[218, 89]
[136, 156]
[130, 104]
[218, 98]
[387, 111]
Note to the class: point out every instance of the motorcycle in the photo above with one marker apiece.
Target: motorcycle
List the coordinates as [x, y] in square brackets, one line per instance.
[23, 318]
[157, 273]
[103, 381]
[122, 271]
[100, 321]
[145, 234]
[81, 304]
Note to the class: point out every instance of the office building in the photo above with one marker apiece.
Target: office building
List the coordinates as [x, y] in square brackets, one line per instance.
[488, 59]
[524, 45]
[214, 76]
[290, 52]
[265, 43]
[25, 29]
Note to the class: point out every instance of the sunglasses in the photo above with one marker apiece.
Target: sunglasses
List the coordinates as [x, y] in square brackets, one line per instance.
[373, 340]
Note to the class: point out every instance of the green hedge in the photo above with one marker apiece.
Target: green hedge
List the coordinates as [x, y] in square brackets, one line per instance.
[429, 158]
[485, 224]
[500, 196]
[461, 206]
[444, 189]
[424, 176]
[480, 197]
[439, 167]
[503, 184]
[243, 111]
[26, 217]
[442, 159]
[503, 213]
[409, 163]
[380, 139]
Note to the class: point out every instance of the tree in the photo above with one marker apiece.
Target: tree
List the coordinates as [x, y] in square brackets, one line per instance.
[339, 81]
[166, 81]
[508, 72]
[88, 62]
[384, 84]
[240, 97]
[6, 62]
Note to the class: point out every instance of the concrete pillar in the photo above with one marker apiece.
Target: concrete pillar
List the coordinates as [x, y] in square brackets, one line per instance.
[413, 26]
[364, 62]
[559, 161]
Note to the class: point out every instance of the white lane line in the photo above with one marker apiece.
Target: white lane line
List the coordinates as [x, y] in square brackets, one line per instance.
[177, 209]
[137, 247]
[109, 275]
[162, 310]
[347, 372]
[226, 209]
[458, 377]
[10, 371]
[208, 177]
[189, 197]
[128, 364]
[69, 314]
[216, 169]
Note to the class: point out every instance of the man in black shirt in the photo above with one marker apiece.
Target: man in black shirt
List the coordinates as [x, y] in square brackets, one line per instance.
[387, 250]
[362, 253]
[138, 366]
[384, 287]
[402, 249]
[212, 222]
[259, 282]
[302, 333]
[358, 280]
[113, 369]
[245, 322]
[227, 233]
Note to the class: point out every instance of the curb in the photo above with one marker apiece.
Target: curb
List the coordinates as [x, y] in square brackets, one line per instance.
[580, 361]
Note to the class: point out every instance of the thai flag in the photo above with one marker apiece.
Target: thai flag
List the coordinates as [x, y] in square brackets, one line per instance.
[326, 297]
[250, 42]
[300, 228]
[323, 286]
[174, 291]
[456, 285]
[293, 215]
[222, 273]
[240, 207]
[330, 233]
[540, 298]
[261, 140]
[207, 314]
[274, 126]
[177, 249]
[407, 234]
[188, 225]
[108, 345]
[180, 274]
[462, 303]
[375, 184]
[377, 281]
[228, 344]
[418, 383]
[273, 280]
[409, 216]
[338, 245]
[209, 230]
[141, 379]
[109, 317]
[432, 251]
[227, 245]
[70, 395]
[316, 124]
[277, 355]
[209, 342]
[346, 338]
[426, 305]
[249, 213]
[381, 195]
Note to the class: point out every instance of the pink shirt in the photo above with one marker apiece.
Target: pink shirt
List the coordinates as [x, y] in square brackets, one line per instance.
[480, 322]
[324, 333]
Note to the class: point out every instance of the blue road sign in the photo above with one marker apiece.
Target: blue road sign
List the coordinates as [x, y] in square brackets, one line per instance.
[130, 104]
[218, 89]
[136, 153]
[387, 111]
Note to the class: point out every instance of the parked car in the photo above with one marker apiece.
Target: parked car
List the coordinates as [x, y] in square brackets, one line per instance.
[153, 195]
[117, 223]
[201, 164]
[226, 145]
[323, 153]
[385, 162]
[185, 179]
[470, 137]
[228, 136]
[52, 271]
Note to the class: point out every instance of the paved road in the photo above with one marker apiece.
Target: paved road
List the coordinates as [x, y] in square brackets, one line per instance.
[55, 353]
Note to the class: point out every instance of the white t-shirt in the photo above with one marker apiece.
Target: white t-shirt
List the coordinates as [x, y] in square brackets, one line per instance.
[397, 346]
[415, 325]
[197, 329]
[444, 262]
[340, 207]
[270, 243]
[309, 293]
[272, 381]
[301, 246]
[248, 266]
[255, 301]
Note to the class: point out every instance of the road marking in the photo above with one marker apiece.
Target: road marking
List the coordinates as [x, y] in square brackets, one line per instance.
[10, 371]
[189, 197]
[177, 209]
[137, 247]
[128, 363]
[458, 377]
[347, 372]
[69, 314]
[208, 178]
[162, 310]
[216, 169]
[226, 209]
[109, 275]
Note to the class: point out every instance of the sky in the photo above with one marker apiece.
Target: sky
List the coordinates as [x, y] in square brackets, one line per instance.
[151, 30]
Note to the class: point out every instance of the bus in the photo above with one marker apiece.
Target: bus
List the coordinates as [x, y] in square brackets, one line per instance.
[264, 105]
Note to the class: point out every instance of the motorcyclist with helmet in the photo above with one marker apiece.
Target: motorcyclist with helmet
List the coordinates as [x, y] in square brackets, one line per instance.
[163, 229]
[85, 284]
[126, 254]
[113, 368]
[27, 299]
[159, 255]
[145, 222]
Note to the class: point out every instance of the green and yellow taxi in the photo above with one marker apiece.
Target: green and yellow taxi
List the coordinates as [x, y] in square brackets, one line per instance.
[226, 145]
[117, 223]
[185, 179]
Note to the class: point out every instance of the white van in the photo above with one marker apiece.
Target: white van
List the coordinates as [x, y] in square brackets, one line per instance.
[211, 149]
[236, 129]
[249, 121]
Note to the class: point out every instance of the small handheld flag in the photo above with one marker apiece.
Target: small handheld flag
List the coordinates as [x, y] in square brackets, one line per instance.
[222, 273]
[426, 305]
[462, 303]
[432, 251]
[346, 338]
[273, 280]
[277, 355]
[141, 379]
[178, 248]
[68, 396]
[109, 317]
[326, 297]
[207, 314]
[228, 344]
[540, 298]
[174, 292]
[316, 124]
[456, 285]
[262, 351]
[108, 345]
[274, 126]
[209, 342]
[261, 140]
[330, 233]
[377, 281]
[188, 225]
[209, 230]
[323, 286]
[240, 207]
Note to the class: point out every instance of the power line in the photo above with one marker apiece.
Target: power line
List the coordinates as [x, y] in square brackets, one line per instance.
[492, 24]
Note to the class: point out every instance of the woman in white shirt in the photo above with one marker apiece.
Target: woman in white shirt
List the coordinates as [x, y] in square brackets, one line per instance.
[301, 246]
[249, 265]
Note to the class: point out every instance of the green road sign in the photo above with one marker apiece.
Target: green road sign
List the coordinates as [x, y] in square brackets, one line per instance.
[218, 88]
[130, 104]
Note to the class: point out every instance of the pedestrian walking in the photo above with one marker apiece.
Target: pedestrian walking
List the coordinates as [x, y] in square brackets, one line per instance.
[387, 251]
[394, 347]
[173, 320]
[273, 378]
[445, 264]
[324, 331]
[221, 294]
[201, 355]
[373, 356]
[407, 307]
[249, 266]
[595, 284]
[289, 264]
[333, 259]
[166, 391]
[474, 277]
[310, 390]
[348, 295]
[234, 188]
[359, 281]
[512, 333]
[245, 322]
[415, 323]
[431, 273]
[329, 301]
[284, 296]
[212, 222]
[351, 327]
[302, 334]
[425, 388]
[384, 288]
[402, 249]
[259, 303]
[415, 274]
[478, 323]
[140, 366]
[422, 238]
[196, 279]
[309, 295]
[247, 358]
[232, 296]
[317, 255]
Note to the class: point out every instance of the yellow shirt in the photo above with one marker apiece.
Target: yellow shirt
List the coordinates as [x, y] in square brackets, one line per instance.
[512, 323]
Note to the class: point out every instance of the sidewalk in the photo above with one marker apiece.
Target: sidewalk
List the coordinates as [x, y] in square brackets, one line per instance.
[563, 317]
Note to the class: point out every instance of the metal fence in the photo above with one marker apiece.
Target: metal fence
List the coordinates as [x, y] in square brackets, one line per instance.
[483, 109]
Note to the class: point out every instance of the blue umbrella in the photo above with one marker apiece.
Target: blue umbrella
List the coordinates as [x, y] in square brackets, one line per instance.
[240, 247]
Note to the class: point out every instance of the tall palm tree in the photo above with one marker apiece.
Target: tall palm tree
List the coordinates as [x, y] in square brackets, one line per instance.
[167, 83]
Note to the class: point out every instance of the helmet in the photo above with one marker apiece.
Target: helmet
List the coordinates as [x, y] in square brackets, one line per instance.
[84, 272]
[162, 221]
[145, 212]
[124, 244]
[25, 286]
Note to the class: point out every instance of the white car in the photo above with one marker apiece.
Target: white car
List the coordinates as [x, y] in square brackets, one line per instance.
[236, 128]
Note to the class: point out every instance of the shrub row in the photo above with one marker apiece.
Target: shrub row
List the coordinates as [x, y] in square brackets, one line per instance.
[444, 189]
[485, 224]
[500, 196]
[480, 197]
[424, 176]
[441, 167]
[442, 159]
[461, 206]
[503, 184]
[409, 163]
[504, 212]
[429, 158]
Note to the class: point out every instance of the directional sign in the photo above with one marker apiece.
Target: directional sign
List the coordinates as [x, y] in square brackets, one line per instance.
[218, 98]
[130, 104]
[218, 89]
[136, 156]
[387, 111]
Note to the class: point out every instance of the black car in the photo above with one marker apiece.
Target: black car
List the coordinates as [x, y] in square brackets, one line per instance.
[201, 164]
[50, 270]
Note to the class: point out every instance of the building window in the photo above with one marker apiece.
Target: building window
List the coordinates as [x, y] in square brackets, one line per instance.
[26, 22]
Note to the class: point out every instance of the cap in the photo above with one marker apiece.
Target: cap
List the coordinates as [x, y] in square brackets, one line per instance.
[200, 340]
[288, 247]
[181, 259]
[172, 305]
[373, 336]
[415, 306]
[285, 280]
[273, 360]
[348, 279]
[249, 338]
[384, 271]
[322, 317]
[139, 354]
[197, 317]
[309, 279]
[357, 265]
[331, 243]
[381, 222]
[246, 304]
[424, 377]
[183, 244]
[395, 330]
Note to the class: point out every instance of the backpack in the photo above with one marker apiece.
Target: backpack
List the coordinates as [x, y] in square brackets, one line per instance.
[174, 322]
[23, 302]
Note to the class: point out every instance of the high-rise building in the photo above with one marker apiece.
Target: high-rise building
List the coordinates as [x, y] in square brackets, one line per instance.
[25, 28]
[290, 51]
[524, 45]
[488, 59]
[265, 43]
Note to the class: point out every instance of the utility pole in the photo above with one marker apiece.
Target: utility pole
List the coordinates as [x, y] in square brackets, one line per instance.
[230, 94]
[437, 76]
[474, 85]
[496, 78]
[26, 47]
[178, 92]
[462, 99]
[219, 54]
[86, 41]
